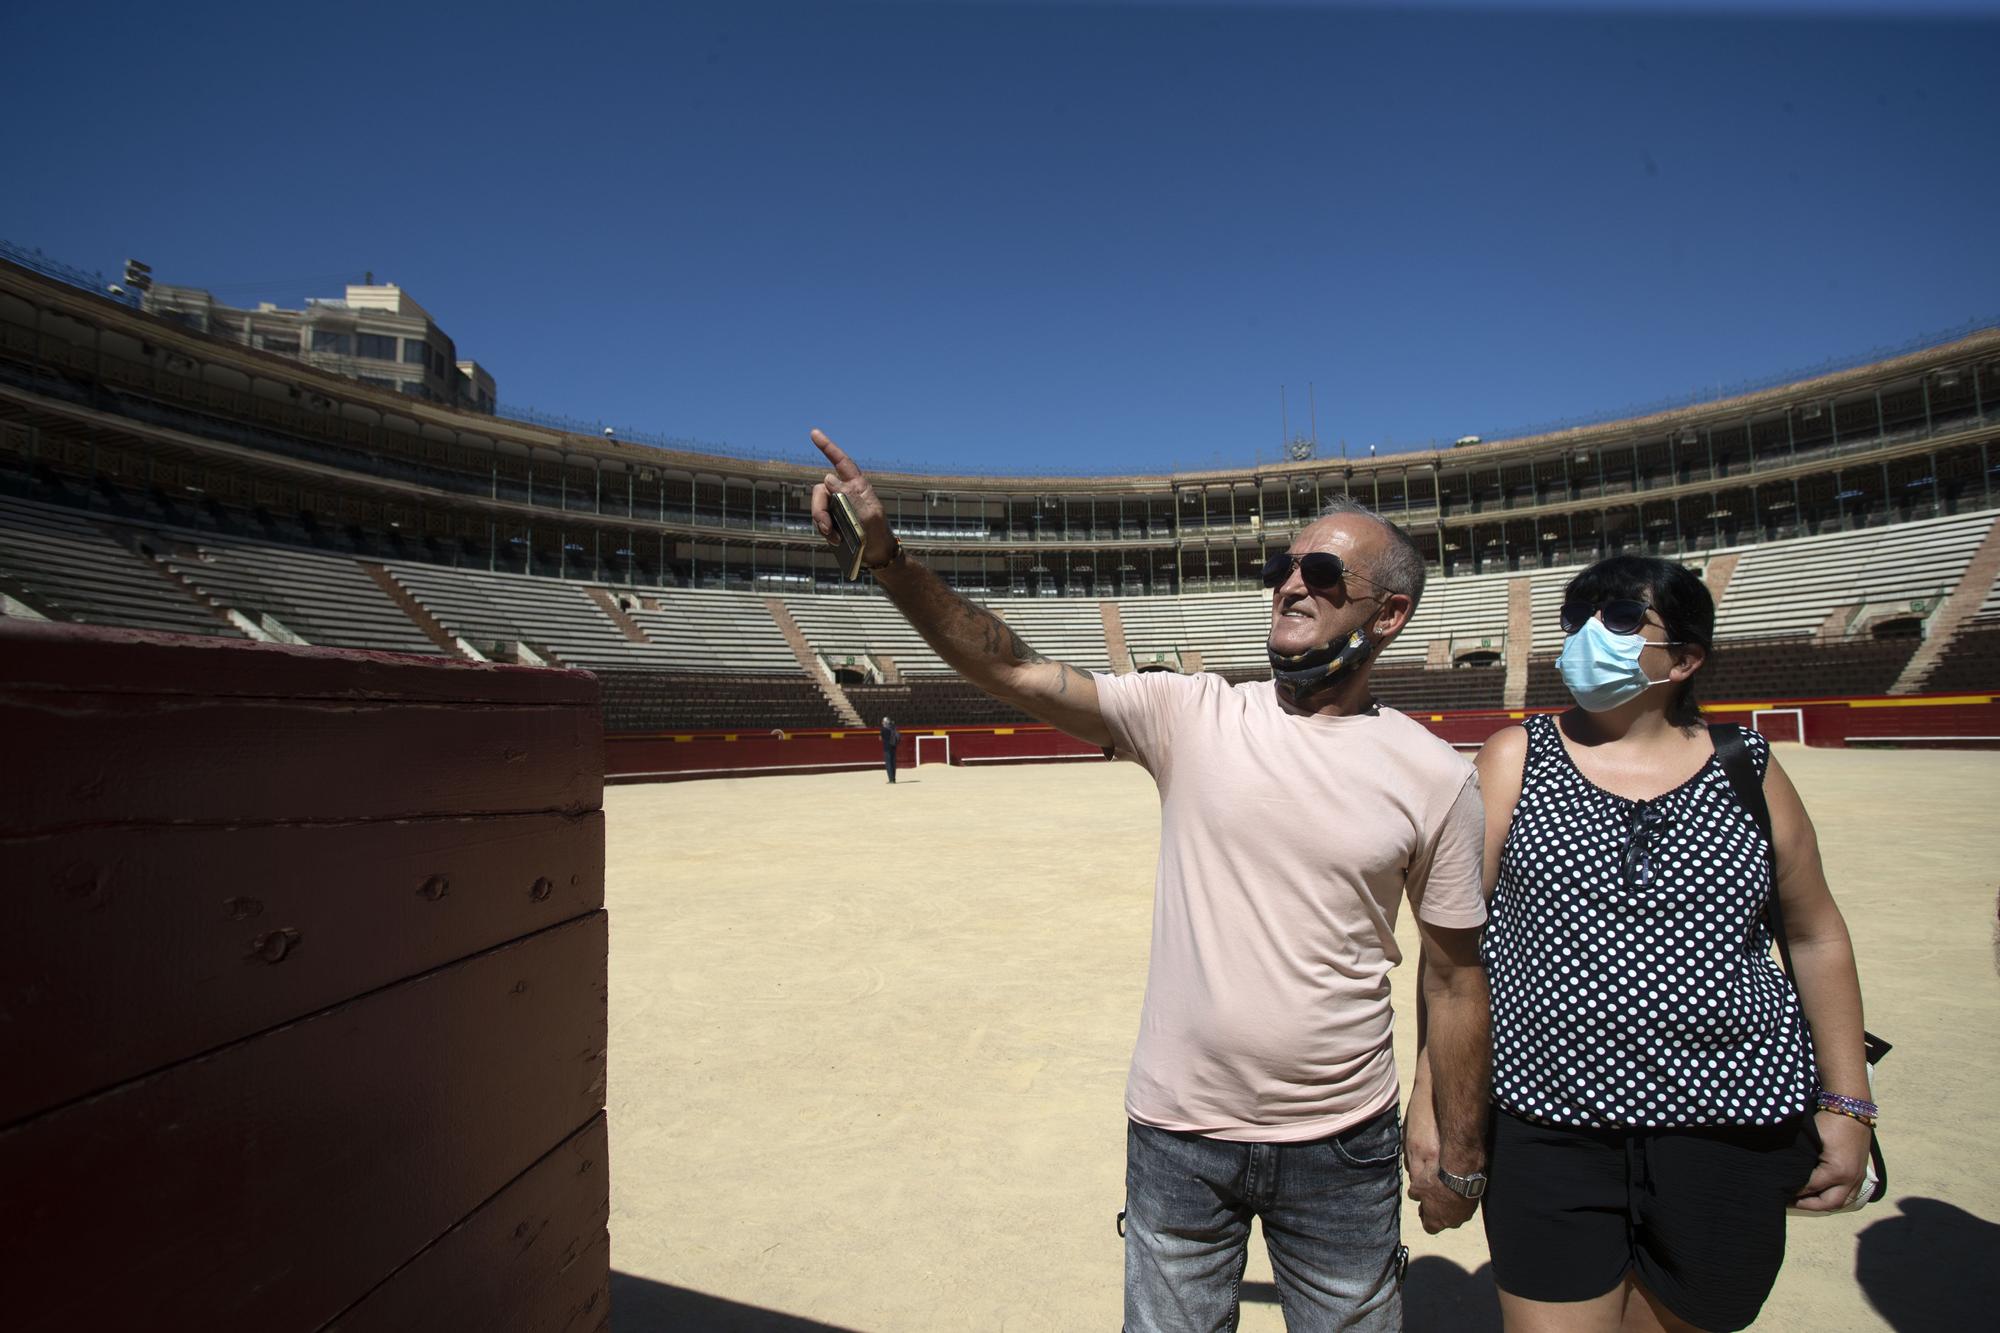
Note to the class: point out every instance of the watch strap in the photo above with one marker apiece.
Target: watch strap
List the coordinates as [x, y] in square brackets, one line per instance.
[895, 554]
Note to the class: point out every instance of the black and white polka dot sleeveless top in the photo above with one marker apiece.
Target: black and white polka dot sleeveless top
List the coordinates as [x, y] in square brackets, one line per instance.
[1633, 983]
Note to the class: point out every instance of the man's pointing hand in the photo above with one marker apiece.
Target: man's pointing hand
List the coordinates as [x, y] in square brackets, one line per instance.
[877, 542]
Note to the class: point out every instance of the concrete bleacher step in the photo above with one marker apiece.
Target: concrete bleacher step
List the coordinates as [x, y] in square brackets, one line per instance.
[1114, 637]
[810, 663]
[715, 631]
[650, 700]
[411, 607]
[1717, 573]
[1520, 635]
[626, 625]
[558, 620]
[1970, 664]
[1063, 629]
[1801, 586]
[865, 628]
[69, 567]
[184, 586]
[312, 596]
[1975, 587]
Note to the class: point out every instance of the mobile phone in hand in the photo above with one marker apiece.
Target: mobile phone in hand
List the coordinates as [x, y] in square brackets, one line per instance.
[846, 531]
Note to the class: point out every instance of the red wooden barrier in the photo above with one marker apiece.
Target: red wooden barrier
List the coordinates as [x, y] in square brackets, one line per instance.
[1946, 720]
[668, 758]
[532, 1260]
[302, 988]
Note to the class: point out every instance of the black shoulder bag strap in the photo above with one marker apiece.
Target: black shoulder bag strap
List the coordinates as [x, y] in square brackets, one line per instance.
[1734, 755]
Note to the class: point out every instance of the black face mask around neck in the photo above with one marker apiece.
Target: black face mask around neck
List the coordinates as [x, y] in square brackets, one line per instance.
[1316, 669]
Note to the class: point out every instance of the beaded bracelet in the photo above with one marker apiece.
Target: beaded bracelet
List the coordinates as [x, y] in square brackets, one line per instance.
[1853, 1115]
[1864, 1111]
[1833, 1101]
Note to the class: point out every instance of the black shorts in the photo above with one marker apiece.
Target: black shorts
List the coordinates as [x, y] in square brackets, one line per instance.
[1697, 1214]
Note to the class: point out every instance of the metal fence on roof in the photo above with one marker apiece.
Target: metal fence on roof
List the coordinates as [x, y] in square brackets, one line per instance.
[97, 284]
[1739, 388]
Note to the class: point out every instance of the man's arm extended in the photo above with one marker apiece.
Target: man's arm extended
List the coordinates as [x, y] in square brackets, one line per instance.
[974, 642]
[1457, 1039]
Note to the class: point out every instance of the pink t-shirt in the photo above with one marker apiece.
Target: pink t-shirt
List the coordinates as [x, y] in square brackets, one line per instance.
[1287, 844]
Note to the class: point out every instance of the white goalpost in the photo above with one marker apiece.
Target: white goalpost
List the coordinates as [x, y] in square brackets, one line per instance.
[1798, 716]
[945, 741]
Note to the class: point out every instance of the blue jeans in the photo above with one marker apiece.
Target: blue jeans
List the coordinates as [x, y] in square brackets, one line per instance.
[1332, 1217]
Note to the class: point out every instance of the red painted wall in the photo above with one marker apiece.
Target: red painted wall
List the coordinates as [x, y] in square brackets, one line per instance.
[1917, 719]
[708, 754]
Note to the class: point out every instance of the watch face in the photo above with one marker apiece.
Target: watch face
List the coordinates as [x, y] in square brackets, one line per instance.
[1466, 1187]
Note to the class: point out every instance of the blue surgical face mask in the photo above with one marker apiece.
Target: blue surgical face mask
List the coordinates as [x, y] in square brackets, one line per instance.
[1602, 669]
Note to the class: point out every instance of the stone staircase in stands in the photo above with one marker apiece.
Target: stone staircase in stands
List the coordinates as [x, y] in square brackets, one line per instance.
[616, 613]
[1114, 638]
[1520, 639]
[1956, 611]
[809, 663]
[411, 607]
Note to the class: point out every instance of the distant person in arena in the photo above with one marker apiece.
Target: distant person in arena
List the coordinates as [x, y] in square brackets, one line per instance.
[891, 738]
[1295, 818]
[1663, 1092]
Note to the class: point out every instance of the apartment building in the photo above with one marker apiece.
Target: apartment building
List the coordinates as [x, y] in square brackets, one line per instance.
[376, 333]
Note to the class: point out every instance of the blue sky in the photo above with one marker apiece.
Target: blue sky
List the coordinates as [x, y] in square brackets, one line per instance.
[1092, 237]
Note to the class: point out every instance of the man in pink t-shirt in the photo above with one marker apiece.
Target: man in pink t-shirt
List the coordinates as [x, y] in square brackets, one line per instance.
[1296, 816]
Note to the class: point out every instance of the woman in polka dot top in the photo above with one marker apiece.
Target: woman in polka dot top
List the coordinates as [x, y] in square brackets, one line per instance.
[1656, 1078]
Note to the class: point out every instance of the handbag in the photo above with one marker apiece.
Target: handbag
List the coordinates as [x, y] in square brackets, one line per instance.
[1734, 754]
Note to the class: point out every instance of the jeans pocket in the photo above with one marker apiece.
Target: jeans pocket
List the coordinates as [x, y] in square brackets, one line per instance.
[1372, 1144]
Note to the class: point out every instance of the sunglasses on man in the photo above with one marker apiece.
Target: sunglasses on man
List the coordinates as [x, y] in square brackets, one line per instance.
[1622, 615]
[1323, 571]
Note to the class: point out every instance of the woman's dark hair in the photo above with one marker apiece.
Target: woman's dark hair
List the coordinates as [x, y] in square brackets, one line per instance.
[1678, 597]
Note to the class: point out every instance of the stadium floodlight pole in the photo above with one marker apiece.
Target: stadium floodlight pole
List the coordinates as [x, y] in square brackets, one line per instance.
[138, 283]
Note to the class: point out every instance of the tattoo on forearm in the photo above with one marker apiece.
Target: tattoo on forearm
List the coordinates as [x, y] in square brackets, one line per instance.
[964, 633]
[967, 619]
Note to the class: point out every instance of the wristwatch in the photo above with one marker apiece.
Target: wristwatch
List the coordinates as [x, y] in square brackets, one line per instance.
[895, 554]
[1465, 1187]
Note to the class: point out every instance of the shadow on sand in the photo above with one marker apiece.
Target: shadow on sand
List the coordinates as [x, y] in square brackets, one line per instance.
[1931, 1266]
[641, 1305]
[1438, 1297]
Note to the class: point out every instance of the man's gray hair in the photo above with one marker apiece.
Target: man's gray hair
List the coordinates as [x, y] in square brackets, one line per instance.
[1402, 568]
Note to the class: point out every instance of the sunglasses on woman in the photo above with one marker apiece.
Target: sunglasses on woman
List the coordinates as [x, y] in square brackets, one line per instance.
[1323, 571]
[1622, 615]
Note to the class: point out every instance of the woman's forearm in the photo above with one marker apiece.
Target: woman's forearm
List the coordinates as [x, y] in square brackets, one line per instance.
[1830, 993]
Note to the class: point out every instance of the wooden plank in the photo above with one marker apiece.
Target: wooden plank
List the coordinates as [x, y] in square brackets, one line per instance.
[267, 1184]
[123, 950]
[101, 659]
[536, 1258]
[88, 759]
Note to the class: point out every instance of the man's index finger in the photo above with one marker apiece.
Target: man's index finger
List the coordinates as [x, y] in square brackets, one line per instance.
[843, 466]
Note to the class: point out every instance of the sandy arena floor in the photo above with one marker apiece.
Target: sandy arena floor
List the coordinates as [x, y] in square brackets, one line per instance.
[868, 1047]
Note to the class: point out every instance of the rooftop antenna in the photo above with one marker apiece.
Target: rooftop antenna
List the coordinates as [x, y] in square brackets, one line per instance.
[1284, 423]
[1312, 405]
